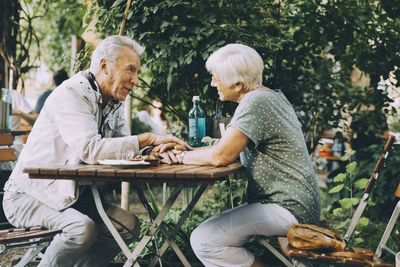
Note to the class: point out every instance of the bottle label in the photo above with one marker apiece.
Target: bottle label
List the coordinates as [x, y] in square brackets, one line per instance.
[197, 130]
[193, 128]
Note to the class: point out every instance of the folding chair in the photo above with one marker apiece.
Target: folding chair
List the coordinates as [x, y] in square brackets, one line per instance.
[34, 238]
[290, 256]
[389, 228]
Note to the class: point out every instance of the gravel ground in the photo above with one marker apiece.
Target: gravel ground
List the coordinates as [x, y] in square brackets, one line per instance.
[11, 257]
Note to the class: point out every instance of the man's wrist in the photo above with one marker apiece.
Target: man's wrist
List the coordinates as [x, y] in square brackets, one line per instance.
[145, 139]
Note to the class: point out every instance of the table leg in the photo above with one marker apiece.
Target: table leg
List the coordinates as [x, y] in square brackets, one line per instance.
[157, 223]
[169, 237]
[110, 226]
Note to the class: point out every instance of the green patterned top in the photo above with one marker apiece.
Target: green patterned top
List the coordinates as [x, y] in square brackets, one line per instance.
[277, 163]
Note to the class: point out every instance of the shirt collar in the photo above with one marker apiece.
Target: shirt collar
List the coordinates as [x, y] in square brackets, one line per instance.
[111, 105]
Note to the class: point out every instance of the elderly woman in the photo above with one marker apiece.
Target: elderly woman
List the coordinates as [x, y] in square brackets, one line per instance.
[266, 133]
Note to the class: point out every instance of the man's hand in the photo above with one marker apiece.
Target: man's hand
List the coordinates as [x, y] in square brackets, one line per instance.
[171, 146]
[166, 146]
[164, 142]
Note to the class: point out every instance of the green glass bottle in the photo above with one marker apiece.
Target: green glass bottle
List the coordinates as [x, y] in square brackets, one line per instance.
[197, 123]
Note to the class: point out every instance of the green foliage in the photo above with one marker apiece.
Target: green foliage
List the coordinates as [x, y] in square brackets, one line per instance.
[139, 127]
[59, 21]
[309, 48]
[347, 191]
[18, 41]
[388, 180]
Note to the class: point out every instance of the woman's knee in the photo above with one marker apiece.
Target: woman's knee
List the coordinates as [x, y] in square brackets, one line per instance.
[199, 239]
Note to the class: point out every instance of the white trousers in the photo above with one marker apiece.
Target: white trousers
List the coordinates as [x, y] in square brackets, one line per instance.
[218, 240]
[84, 241]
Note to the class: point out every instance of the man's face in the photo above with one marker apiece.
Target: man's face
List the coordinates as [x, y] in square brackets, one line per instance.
[123, 76]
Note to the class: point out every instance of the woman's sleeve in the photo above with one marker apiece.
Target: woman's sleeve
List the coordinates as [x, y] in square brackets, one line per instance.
[250, 118]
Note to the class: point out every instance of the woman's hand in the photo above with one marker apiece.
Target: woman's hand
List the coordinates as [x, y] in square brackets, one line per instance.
[171, 154]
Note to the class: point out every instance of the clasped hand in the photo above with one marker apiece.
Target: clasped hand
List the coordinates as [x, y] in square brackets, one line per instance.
[170, 149]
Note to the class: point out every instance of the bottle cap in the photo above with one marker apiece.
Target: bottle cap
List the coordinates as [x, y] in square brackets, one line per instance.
[196, 97]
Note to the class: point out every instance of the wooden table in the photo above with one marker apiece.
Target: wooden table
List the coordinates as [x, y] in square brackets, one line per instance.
[178, 175]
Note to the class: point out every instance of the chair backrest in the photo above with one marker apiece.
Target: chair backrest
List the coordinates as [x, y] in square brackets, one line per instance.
[7, 153]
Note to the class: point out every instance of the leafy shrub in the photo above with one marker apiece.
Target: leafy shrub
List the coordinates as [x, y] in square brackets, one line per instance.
[344, 196]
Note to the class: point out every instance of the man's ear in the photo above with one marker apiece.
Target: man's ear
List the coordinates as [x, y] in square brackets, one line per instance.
[104, 65]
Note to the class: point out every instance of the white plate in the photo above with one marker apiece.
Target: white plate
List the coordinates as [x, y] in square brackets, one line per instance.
[115, 162]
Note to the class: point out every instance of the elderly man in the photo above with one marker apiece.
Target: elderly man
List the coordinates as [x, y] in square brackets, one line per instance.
[81, 121]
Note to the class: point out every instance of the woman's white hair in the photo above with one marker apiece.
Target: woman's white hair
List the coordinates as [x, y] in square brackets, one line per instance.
[237, 63]
[109, 49]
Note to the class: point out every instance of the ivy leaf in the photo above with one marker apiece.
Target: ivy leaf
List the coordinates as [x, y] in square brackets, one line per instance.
[341, 225]
[354, 201]
[361, 183]
[351, 167]
[371, 203]
[117, 3]
[346, 203]
[337, 211]
[358, 240]
[339, 178]
[344, 157]
[336, 189]
[155, 9]
[364, 221]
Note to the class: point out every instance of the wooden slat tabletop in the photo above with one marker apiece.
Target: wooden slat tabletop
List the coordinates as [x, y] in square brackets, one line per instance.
[160, 173]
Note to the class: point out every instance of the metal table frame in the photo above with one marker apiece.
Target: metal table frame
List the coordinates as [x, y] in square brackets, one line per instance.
[183, 175]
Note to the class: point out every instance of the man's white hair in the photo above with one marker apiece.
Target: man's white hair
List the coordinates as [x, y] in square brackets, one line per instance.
[237, 63]
[109, 49]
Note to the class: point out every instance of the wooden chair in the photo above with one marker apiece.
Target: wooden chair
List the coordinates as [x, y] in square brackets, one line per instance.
[290, 256]
[7, 153]
[34, 238]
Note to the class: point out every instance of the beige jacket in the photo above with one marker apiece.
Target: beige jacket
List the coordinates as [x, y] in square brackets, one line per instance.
[67, 132]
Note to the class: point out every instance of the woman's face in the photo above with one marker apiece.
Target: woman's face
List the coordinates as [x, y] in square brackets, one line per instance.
[226, 93]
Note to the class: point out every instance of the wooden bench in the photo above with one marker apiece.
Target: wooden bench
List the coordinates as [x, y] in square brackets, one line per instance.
[34, 238]
[7, 153]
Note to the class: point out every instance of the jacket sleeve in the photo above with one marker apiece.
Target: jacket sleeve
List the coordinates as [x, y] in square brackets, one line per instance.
[75, 111]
